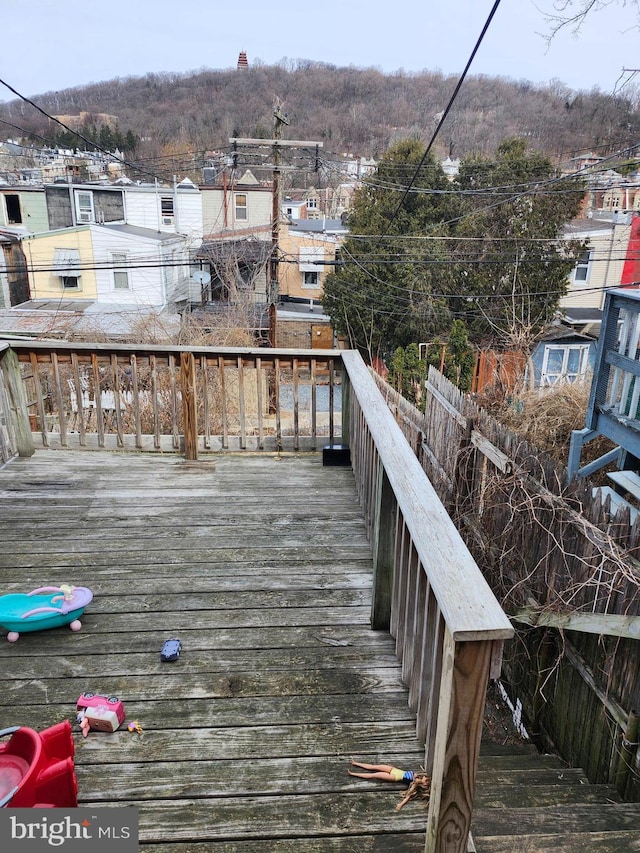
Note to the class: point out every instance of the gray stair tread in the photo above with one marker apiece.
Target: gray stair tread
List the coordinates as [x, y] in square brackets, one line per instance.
[515, 796]
[614, 817]
[574, 842]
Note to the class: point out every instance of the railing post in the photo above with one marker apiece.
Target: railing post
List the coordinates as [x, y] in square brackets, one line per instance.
[346, 406]
[188, 388]
[18, 410]
[383, 552]
[459, 729]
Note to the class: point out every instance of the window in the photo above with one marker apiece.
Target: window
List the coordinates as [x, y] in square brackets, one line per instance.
[65, 266]
[308, 258]
[120, 271]
[582, 269]
[564, 363]
[14, 213]
[312, 203]
[84, 206]
[166, 209]
[241, 206]
[70, 282]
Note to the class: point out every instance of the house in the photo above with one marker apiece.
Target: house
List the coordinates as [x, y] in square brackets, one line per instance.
[23, 209]
[108, 264]
[602, 265]
[561, 356]
[306, 258]
[236, 206]
[168, 210]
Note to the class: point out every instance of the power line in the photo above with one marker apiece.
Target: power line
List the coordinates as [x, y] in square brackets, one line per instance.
[446, 111]
[75, 132]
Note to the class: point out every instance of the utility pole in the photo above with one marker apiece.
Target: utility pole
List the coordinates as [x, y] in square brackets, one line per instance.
[280, 119]
[276, 144]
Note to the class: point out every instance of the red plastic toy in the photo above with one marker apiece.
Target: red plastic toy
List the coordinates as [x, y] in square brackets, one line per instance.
[36, 768]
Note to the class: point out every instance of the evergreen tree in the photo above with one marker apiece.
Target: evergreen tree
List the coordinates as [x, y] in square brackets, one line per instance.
[387, 292]
[513, 266]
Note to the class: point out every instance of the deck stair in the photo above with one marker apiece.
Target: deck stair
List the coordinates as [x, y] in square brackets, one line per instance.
[527, 802]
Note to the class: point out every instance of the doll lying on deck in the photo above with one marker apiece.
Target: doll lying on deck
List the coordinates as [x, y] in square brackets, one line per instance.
[419, 783]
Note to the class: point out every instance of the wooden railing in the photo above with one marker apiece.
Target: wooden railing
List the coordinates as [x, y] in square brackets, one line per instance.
[430, 594]
[175, 399]
[428, 591]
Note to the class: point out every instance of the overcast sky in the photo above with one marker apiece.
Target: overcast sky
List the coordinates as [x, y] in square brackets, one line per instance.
[48, 46]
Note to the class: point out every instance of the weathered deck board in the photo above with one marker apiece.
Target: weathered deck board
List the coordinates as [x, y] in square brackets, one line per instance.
[262, 567]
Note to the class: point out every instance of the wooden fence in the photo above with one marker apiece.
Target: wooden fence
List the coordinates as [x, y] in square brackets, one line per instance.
[428, 591]
[561, 562]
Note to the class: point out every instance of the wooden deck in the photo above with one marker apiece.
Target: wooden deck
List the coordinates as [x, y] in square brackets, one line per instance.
[261, 566]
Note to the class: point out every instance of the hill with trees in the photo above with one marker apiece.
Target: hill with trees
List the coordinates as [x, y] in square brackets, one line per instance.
[350, 110]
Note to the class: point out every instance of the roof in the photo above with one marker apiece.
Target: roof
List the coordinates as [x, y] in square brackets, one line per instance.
[73, 319]
[577, 315]
[145, 233]
[318, 226]
[591, 226]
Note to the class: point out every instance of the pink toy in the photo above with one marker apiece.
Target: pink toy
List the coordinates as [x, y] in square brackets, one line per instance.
[100, 713]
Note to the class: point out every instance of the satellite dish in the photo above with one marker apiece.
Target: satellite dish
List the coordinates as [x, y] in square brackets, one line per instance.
[201, 277]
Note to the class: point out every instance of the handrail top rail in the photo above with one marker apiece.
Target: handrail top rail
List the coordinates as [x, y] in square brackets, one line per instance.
[469, 607]
[267, 353]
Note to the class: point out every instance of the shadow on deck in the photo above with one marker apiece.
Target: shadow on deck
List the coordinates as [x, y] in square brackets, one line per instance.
[261, 566]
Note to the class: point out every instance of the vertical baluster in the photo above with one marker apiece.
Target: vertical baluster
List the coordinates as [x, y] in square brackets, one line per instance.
[75, 367]
[241, 405]
[409, 642]
[97, 399]
[175, 431]
[276, 392]
[314, 401]
[223, 404]
[296, 406]
[260, 377]
[117, 398]
[332, 433]
[37, 387]
[205, 402]
[135, 393]
[62, 416]
[154, 401]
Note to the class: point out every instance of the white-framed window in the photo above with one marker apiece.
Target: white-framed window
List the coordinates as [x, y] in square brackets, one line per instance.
[167, 210]
[312, 203]
[564, 363]
[70, 282]
[308, 257]
[240, 206]
[583, 267]
[84, 206]
[120, 271]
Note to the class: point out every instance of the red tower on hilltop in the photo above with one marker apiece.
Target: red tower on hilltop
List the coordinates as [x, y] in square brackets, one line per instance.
[242, 60]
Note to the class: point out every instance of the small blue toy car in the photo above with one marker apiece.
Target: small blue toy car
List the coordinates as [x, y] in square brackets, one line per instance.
[170, 650]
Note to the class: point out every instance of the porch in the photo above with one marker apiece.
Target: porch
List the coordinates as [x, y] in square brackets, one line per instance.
[424, 588]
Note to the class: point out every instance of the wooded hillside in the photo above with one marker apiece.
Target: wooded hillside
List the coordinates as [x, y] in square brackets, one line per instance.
[360, 111]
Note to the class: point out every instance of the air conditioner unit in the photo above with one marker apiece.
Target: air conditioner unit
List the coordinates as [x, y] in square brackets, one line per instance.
[167, 220]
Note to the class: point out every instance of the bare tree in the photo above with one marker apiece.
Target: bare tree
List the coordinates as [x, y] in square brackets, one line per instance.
[571, 14]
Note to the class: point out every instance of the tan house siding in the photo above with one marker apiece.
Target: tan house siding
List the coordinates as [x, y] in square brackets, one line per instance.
[608, 249]
[40, 252]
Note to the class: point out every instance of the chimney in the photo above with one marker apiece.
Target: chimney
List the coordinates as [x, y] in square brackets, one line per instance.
[242, 60]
